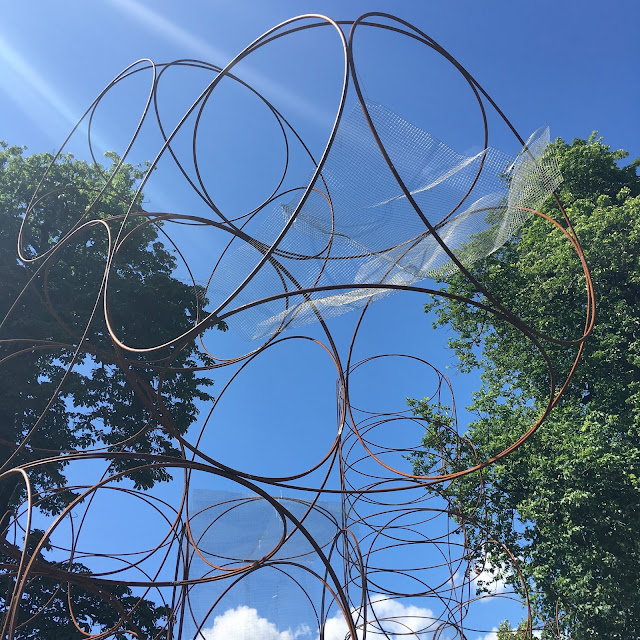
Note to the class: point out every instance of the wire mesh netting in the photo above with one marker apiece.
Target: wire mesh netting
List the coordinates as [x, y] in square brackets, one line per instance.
[357, 227]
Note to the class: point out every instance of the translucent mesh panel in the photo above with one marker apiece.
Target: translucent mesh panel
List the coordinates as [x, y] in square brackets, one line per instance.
[357, 227]
[272, 601]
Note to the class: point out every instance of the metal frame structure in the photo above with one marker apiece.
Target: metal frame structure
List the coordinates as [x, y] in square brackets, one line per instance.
[384, 507]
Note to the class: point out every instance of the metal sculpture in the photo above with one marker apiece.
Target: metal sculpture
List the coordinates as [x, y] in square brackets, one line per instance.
[361, 545]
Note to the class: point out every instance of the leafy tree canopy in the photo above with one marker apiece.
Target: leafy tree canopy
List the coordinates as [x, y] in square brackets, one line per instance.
[505, 631]
[567, 502]
[110, 398]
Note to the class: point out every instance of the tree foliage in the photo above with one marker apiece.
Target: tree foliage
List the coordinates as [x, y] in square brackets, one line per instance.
[567, 502]
[506, 632]
[121, 401]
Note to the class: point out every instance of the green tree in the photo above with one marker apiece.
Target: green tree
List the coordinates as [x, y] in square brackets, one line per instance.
[567, 502]
[122, 401]
[506, 632]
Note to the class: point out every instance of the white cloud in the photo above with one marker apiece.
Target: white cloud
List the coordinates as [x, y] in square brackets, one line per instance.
[302, 630]
[482, 573]
[492, 635]
[407, 621]
[244, 623]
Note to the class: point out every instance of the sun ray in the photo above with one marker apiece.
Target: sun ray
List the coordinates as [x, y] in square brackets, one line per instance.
[25, 86]
[283, 96]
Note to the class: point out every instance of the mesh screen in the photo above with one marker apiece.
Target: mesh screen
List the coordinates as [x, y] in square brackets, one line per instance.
[272, 600]
[357, 227]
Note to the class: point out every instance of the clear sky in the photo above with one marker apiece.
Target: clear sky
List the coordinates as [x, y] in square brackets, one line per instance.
[567, 64]
[570, 65]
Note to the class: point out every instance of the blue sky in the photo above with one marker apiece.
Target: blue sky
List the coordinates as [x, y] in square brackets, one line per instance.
[569, 65]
